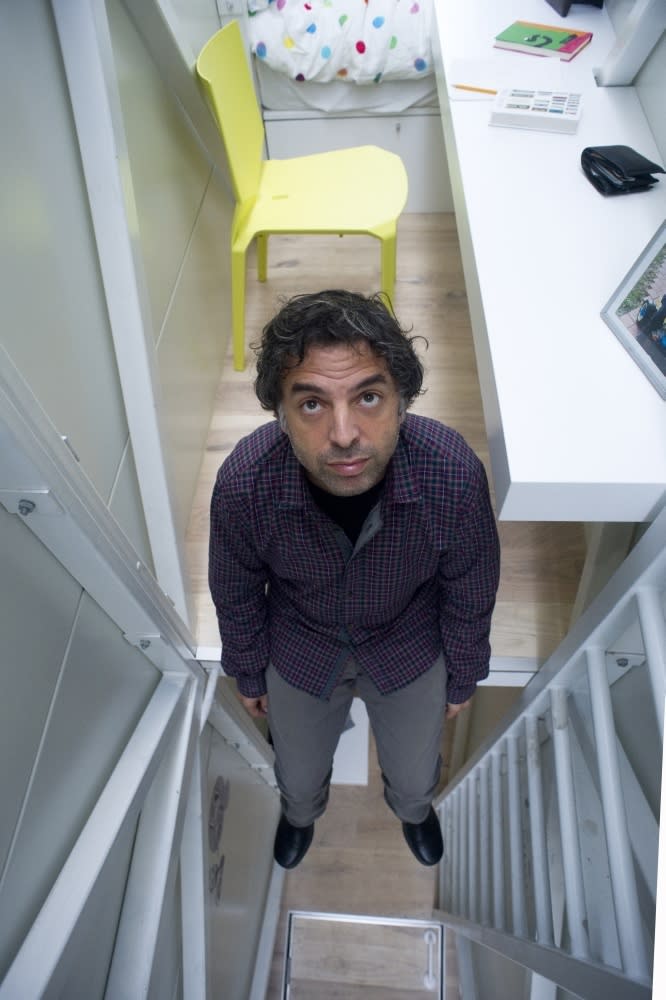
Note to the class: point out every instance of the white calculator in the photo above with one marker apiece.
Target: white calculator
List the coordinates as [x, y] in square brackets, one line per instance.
[546, 110]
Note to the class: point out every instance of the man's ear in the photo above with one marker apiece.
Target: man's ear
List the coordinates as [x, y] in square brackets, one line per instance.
[402, 410]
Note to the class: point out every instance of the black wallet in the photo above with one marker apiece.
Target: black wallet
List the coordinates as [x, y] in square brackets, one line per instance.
[564, 6]
[618, 169]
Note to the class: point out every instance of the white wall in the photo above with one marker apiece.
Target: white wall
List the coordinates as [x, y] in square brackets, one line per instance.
[197, 20]
[651, 86]
[497, 976]
[54, 319]
[618, 11]
[73, 688]
[651, 81]
[72, 691]
[54, 311]
[240, 859]
[183, 216]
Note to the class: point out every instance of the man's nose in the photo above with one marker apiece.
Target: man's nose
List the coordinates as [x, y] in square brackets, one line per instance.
[344, 430]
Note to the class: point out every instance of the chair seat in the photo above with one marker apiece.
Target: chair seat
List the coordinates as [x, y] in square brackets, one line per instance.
[358, 190]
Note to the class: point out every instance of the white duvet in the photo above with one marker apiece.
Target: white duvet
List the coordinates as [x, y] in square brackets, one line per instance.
[352, 40]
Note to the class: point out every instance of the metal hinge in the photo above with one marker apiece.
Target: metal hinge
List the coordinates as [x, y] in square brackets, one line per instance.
[143, 641]
[27, 502]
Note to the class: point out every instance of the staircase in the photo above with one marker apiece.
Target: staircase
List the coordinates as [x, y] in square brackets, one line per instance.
[153, 820]
[549, 879]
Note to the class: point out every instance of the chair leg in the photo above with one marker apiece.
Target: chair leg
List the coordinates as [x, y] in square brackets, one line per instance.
[262, 256]
[388, 251]
[238, 307]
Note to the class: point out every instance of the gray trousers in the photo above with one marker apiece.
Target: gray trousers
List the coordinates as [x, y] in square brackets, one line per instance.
[407, 725]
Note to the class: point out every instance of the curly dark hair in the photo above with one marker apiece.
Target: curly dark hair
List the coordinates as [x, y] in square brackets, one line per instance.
[334, 317]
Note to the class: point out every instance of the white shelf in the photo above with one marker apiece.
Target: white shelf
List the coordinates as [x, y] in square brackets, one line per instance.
[576, 431]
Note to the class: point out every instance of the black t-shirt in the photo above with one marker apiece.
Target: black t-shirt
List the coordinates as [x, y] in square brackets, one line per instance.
[349, 512]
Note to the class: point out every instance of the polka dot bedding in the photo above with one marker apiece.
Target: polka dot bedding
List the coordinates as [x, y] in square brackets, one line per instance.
[358, 41]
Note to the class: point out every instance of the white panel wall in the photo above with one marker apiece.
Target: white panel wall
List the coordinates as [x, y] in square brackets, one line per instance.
[73, 690]
[631, 696]
[618, 11]
[54, 318]
[54, 323]
[166, 981]
[651, 81]
[92, 950]
[169, 174]
[193, 344]
[239, 866]
[651, 86]
[496, 976]
[199, 19]
[183, 216]
[31, 654]
[126, 507]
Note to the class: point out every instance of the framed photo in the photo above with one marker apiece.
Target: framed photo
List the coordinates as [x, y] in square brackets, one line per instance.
[637, 311]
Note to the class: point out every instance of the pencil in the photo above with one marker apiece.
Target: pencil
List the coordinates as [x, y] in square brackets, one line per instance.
[476, 90]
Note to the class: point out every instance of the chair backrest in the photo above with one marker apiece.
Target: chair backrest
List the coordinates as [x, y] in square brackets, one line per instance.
[224, 73]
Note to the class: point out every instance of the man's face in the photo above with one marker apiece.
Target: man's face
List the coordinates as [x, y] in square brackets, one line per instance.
[341, 410]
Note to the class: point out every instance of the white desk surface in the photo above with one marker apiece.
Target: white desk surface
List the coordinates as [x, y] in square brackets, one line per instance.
[576, 430]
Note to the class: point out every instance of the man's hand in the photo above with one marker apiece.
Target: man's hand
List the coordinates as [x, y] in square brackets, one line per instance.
[453, 710]
[257, 707]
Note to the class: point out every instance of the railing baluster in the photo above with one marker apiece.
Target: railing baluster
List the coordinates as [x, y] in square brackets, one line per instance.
[448, 868]
[473, 839]
[444, 867]
[540, 868]
[484, 842]
[653, 630]
[571, 861]
[516, 840]
[457, 879]
[499, 908]
[464, 851]
[623, 877]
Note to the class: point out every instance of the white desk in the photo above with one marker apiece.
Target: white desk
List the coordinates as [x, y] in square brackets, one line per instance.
[576, 431]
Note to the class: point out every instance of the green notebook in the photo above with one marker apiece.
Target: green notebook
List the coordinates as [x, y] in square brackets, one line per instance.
[543, 39]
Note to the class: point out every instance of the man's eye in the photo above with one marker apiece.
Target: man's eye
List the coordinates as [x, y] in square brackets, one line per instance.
[370, 398]
[310, 405]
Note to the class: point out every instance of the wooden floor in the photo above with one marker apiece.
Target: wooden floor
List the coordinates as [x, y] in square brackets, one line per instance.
[359, 862]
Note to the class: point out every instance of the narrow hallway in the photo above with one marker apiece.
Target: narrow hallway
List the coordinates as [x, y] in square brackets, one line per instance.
[358, 862]
[541, 563]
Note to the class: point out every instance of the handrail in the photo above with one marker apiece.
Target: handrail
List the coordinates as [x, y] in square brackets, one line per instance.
[516, 875]
[610, 609]
[581, 977]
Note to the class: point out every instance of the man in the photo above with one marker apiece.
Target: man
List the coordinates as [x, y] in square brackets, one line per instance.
[353, 548]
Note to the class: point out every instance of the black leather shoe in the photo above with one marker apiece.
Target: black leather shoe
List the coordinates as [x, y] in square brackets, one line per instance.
[425, 839]
[291, 843]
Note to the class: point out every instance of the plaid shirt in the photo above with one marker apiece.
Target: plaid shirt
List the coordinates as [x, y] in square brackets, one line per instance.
[290, 588]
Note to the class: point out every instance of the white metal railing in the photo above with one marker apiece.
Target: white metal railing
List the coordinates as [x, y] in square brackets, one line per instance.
[543, 860]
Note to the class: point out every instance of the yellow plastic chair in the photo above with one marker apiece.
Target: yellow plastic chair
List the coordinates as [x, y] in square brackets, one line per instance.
[361, 190]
